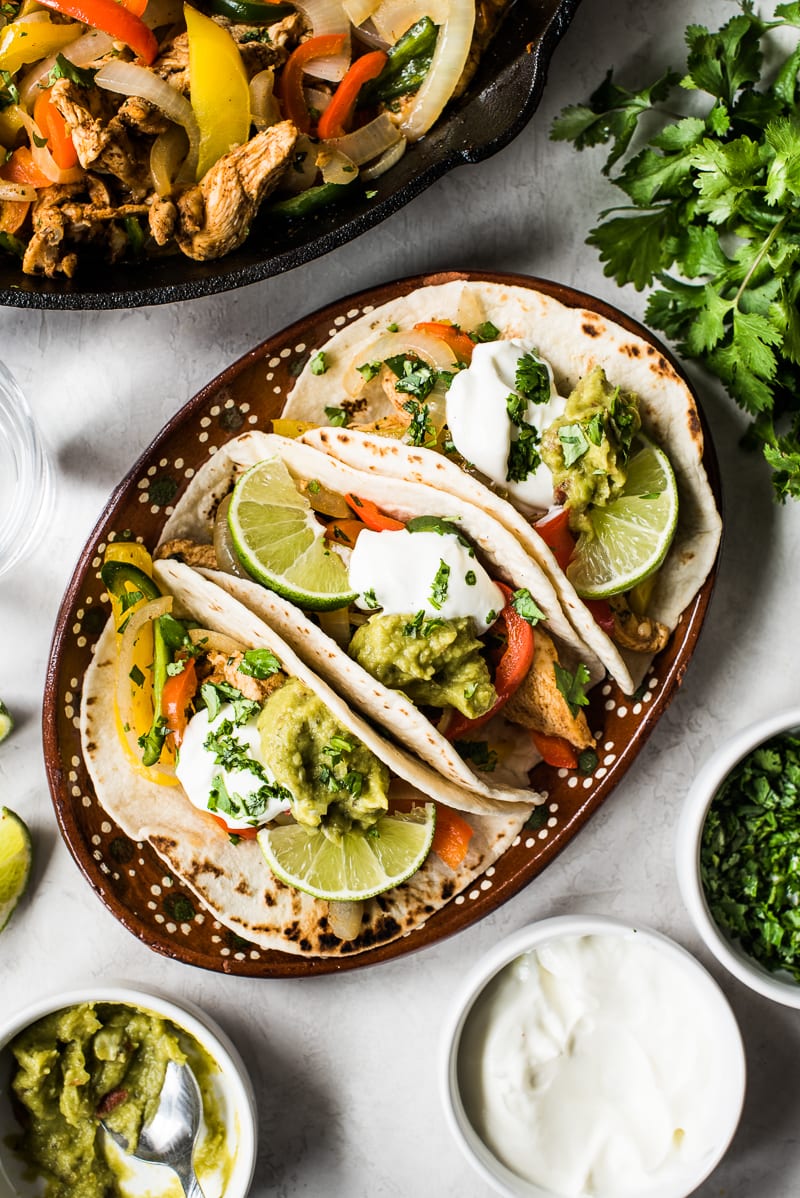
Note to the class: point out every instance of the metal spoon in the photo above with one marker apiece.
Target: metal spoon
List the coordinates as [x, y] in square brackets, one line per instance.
[168, 1139]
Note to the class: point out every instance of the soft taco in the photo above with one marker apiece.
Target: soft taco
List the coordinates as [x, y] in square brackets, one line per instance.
[576, 435]
[208, 737]
[442, 628]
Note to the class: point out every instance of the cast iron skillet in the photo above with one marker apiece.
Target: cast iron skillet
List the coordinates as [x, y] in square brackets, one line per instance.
[502, 98]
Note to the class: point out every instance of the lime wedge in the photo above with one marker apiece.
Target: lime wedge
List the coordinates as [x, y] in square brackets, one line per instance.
[631, 535]
[280, 542]
[6, 721]
[350, 866]
[15, 862]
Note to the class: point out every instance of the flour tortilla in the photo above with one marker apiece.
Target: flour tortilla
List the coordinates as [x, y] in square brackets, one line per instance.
[193, 519]
[233, 881]
[573, 341]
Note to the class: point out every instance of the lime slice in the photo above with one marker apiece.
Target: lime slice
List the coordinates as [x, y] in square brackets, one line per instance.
[6, 721]
[350, 866]
[281, 543]
[15, 862]
[631, 535]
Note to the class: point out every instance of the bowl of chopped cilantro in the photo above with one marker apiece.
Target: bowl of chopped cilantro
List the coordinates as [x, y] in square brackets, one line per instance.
[738, 856]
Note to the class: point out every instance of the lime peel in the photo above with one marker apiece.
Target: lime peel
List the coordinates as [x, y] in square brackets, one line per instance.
[355, 865]
[280, 542]
[16, 856]
[632, 534]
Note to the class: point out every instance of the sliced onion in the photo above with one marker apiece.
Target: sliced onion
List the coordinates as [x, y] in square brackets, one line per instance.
[393, 18]
[316, 98]
[336, 625]
[369, 141]
[433, 350]
[327, 16]
[336, 167]
[43, 160]
[162, 12]
[128, 79]
[214, 642]
[358, 11]
[264, 109]
[227, 557]
[449, 59]
[94, 44]
[386, 160]
[344, 919]
[167, 153]
[470, 312]
[125, 665]
[368, 35]
[17, 193]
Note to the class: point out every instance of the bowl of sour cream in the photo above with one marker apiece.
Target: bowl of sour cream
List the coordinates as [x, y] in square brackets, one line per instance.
[588, 1058]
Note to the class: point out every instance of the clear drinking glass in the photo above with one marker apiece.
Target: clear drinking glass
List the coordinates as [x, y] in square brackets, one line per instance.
[25, 476]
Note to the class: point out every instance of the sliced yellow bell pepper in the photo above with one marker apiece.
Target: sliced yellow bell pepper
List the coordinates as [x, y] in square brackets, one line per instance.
[220, 94]
[10, 124]
[22, 42]
[291, 428]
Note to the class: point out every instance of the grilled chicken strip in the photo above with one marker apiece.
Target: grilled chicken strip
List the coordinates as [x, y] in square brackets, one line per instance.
[539, 704]
[215, 216]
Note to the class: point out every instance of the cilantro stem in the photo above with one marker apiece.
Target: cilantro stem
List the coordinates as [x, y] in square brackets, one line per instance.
[759, 258]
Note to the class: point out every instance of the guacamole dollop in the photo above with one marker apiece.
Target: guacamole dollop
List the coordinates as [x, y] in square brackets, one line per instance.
[93, 1061]
[328, 771]
[587, 449]
[436, 663]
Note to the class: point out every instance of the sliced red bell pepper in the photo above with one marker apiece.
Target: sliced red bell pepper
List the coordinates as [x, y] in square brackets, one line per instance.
[112, 18]
[460, 343]
[247, 833]
[370, 514]
[344, 532]
[176, 696]
[555, 532]
[451, 837]
[12, 215]
[511, 669]
[556, 751]
[21, 168]
[291, 86]
[56, 130]
[602, 614]
[337, 116]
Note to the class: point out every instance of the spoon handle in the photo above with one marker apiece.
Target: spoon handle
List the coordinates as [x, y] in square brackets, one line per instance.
[191, 1186]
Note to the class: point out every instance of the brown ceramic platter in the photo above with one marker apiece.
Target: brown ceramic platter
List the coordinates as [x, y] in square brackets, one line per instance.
[128, 876]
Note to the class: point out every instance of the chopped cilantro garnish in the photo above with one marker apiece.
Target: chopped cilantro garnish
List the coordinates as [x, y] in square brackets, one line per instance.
[533, 379]
[525, 605]
[393, 327]
[491, 616]
[572, 686]
[470, 578]
[259, 663]
[313, 486]
[523, 455]
[485, 332]
[440, 585]
[369, 370]
[370, 598]
[419, 626]
[749, 854]
[318, 365]
[136, 676]
[421, 429]
[478, 752]
[517, 408]
[337, 416]
[176, 667]
[587, 761]
[64, 69]
[414, 377]
[574, 443]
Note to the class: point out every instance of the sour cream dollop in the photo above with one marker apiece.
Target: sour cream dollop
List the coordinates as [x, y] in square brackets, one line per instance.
[479, 422]
[597, 1065]
[197, 767]
[436, 573]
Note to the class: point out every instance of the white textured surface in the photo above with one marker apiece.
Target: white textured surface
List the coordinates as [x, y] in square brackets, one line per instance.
[346, 1068]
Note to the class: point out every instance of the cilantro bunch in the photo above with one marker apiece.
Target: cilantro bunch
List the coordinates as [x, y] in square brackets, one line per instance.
[714, 217]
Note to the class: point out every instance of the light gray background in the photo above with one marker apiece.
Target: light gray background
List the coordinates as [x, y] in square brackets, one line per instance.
[346, 1067]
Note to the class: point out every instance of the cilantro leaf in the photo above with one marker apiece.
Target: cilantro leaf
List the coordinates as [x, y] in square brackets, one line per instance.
[572, 686]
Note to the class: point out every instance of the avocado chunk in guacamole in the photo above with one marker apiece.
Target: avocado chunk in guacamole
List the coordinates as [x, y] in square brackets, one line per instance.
[587, 449]
[436, 663]
[93, 1061]
[330, 774]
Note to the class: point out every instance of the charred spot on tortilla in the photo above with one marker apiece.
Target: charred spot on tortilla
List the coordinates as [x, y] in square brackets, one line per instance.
[590, 329]
[448, 889]
[693, 424]
[630, 351]
[91, 747]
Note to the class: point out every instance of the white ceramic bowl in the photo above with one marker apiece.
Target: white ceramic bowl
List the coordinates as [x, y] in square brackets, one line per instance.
[25, 478]
[454, 1063]
[778, 986]
[232, 1086]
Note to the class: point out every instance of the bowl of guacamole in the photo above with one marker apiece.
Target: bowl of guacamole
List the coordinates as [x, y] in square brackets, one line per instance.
[68, 1061]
